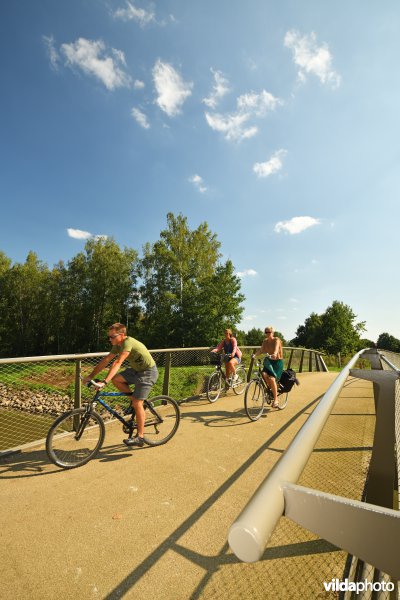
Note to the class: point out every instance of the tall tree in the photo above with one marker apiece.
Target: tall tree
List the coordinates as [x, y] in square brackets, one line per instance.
[388, 342]
[334, 331]
[183, 287]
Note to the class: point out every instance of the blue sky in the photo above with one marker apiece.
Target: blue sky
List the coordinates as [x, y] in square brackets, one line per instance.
[275, 122]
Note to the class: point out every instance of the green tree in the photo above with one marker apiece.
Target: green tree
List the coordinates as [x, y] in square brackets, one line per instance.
[388, 342]
[254, 337]
[334, 331]
[188, 296]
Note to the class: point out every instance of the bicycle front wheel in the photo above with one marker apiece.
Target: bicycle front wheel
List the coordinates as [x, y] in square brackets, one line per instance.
[254, 400]
[214, 386]
[239, 385]
[162, 420]
[75, 438]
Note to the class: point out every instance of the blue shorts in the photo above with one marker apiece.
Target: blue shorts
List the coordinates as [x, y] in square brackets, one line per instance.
[227, 359]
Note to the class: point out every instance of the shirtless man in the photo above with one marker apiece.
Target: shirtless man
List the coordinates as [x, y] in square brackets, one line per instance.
[273, 364]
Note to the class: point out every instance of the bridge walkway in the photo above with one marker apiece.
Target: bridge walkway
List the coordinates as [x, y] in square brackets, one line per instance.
[152, 522]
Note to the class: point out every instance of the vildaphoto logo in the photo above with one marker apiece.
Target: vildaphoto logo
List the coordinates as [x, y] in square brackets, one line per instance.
[336, 585]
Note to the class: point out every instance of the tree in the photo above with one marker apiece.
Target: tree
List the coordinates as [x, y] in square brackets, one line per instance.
[334, 331]
[388, 342]
[188, 296]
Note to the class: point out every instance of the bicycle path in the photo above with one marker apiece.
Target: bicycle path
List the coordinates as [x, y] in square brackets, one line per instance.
[151, 522]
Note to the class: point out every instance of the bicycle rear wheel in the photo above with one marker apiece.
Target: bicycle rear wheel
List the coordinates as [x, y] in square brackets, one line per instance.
[254, 400]
[239, 385]
[214, 386]
[162, 420]
[75, 438]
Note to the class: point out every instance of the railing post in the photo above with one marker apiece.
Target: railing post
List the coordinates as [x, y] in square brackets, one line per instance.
[301, 362]
[78, 391]
[317, 362]
[167, 370]
[290, 360]
[310, 361]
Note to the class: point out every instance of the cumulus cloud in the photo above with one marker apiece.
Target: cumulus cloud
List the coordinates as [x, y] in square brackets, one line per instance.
[138, 85]
[52, 52]
[140, 118]
[91, 57]
[132, 13]
[78, 234]
[258, 104]
[235, 125]
[246, 273]
[220, 89]
[198, 183]
[296, 225]
[311, 58]
[273, 165]
[172, 91]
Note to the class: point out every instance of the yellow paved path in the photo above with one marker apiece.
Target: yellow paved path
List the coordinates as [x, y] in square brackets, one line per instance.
[152, 522]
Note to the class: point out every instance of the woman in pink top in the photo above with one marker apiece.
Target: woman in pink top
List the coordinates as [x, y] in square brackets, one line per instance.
[232, 354]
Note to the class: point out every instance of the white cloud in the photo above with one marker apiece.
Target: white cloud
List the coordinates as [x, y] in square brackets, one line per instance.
[132, 13]
[220, 89]
[235, 125]
[246, 272]
[273, 165]
[171, 89]
[78, 234]
[231, 125]
[51, 51]
[138, 85]
[91, 58]
[258, 104]
[140, 117]
[250, 318]
[311, 58]
[296, 225]
[198, 183]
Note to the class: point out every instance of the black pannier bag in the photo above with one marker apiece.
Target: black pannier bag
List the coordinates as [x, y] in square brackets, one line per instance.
[288, 380]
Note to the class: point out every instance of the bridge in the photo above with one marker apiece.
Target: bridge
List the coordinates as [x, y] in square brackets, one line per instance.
[154, 522]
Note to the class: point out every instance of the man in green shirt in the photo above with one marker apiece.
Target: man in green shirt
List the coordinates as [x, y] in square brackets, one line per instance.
[142, 373]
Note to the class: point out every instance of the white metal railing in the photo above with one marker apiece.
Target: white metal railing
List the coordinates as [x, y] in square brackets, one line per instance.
[365, 530]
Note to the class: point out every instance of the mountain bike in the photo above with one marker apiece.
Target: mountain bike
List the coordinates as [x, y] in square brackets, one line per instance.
[258, 393]
[76, 436]
[217, 381]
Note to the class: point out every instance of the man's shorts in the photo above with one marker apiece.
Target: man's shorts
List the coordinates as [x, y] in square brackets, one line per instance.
[273, 368]
[142, 380]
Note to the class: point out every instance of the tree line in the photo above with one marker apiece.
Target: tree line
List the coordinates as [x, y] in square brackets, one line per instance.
[178, 293]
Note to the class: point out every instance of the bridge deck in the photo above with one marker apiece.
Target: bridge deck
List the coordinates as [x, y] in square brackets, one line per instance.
[153, 522]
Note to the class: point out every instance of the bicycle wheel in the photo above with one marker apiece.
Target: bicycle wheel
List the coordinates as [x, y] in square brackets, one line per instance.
[74, 438]
[239, 385]
[214, 386]
[254, 400]
[162, 420]
[282, 400]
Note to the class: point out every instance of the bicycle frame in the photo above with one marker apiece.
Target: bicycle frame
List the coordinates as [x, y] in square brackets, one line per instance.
[100, 394]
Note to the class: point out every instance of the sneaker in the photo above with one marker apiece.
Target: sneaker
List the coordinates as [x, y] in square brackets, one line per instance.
[236, 377]
[134, 441]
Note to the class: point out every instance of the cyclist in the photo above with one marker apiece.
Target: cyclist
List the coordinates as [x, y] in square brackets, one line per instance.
[273, 364]
[142, 373]
[233, 355]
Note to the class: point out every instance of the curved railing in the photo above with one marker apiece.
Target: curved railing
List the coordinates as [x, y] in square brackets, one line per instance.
[369, 530]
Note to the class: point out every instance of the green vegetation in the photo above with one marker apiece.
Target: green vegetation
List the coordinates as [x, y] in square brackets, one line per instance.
[179, 293]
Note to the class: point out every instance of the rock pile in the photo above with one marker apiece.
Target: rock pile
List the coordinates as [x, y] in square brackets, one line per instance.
[34, 401]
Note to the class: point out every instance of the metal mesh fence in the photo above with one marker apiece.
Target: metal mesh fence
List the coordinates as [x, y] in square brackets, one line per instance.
[34, 391]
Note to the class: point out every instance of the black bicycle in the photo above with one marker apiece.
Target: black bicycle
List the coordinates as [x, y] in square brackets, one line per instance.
[258, 393]
[76, 436]
[218, 382]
